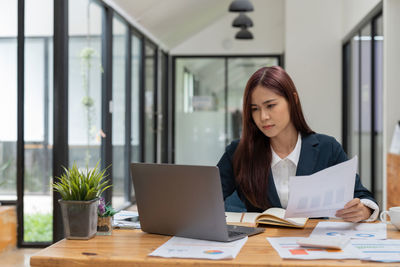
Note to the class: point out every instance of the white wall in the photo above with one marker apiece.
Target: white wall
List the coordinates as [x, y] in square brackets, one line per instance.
[219, 37]
[391, 77]
[313, 35]
[354, 11]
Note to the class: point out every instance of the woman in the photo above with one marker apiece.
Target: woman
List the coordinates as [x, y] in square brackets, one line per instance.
[277, 143]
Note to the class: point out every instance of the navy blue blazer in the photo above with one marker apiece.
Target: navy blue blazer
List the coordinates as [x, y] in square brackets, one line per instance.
[318, 152]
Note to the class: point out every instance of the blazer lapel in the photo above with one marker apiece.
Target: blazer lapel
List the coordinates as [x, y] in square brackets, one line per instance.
[308, 155]
[273, 197]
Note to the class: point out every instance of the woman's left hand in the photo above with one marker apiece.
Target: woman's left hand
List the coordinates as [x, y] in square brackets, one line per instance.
[354, 211]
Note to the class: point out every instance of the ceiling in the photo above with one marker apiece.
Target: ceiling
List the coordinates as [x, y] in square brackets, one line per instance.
[173, 21]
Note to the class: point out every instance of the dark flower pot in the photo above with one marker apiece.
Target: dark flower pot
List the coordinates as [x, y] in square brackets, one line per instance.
[79, 218]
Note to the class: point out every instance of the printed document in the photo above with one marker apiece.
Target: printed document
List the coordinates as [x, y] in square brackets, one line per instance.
[126, 219]
[351, 230]
[322, 193]
[379, 250]
[179, 247]
[287, 248]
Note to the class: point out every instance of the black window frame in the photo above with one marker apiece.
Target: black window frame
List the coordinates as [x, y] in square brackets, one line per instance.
[60, 111]
[369, 19]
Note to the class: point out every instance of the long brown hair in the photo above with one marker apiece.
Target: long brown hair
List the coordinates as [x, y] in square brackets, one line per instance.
[252, 159]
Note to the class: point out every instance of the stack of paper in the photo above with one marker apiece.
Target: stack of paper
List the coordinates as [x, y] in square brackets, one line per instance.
[368, 242]
[126, 219]
[321, 195]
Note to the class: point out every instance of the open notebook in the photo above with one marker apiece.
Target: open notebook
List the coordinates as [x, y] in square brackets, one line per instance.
[272, 216]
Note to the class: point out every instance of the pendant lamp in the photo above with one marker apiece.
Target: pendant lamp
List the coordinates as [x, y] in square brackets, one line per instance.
[241, 6]
[242, 21]
[244, 34]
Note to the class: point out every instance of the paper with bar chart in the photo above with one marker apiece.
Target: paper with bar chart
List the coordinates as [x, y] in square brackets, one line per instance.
[322, 193]
[287, 248]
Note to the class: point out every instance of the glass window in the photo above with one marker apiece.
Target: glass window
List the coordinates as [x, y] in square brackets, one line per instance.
[199, 110]
[163, 110]
[204, 122]
[353, 121]
[84, 83]
[149, 105]
[239, 71]
[135, 77]
[346, 93]
[365, 102]
[118, 111]
[38, 121]
[8, 100]
[378, 67]
[363, 86]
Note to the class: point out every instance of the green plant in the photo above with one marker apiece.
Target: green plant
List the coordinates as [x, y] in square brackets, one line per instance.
[86, 55]
[38, 227]
[87, 101]
[81, 185]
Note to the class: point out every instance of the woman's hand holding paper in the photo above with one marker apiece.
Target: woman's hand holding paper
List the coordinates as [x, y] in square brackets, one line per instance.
[354, 211]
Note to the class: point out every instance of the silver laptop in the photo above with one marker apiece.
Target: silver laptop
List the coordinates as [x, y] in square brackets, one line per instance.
[184, 201]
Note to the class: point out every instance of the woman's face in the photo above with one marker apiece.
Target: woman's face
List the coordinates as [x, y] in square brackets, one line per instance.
[270, 112]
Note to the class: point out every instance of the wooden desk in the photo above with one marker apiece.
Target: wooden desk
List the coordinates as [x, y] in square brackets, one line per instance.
[131, 247]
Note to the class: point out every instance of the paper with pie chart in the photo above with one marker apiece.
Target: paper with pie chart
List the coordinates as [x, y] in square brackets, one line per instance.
[179, 247]
[351, 230]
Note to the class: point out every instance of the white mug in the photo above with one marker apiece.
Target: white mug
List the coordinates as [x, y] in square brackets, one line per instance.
[394, 214]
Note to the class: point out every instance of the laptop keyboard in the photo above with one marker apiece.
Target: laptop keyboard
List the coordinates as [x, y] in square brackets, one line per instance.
[233, 233]
[235, 230]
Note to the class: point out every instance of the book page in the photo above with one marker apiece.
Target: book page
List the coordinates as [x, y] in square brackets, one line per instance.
[280, 214]
[297, 221]
[233, 217]
[277, 212]
[250, 217]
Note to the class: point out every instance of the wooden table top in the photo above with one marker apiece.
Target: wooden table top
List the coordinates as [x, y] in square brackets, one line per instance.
[131, 247]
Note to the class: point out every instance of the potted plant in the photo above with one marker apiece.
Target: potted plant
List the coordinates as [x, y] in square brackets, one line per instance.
[104, 221]
[80, 192]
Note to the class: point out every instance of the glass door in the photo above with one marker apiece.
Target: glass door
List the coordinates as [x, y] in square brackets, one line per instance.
[8, 102]
[150, 103]
[120, 31]
[363, 102]
[199, 110]
[38, 122]
[208, 104]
